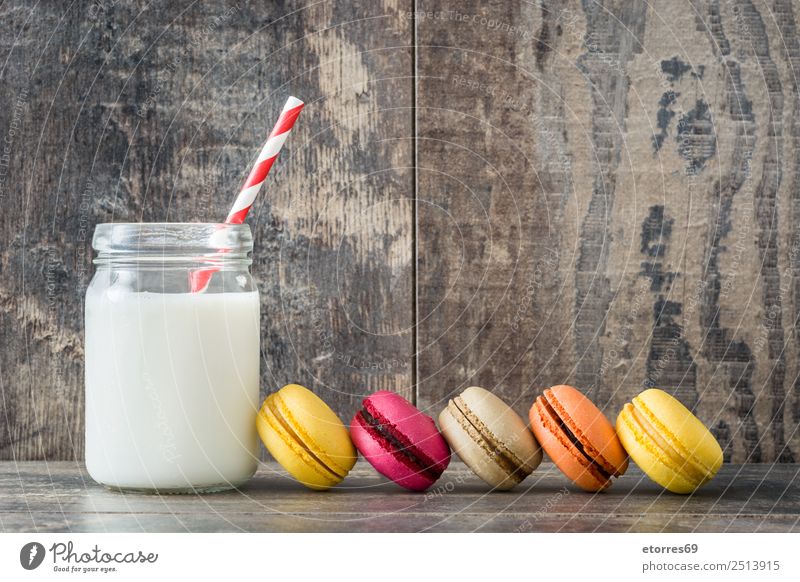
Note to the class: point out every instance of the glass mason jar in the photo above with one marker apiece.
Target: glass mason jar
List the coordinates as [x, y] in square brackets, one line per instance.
[172, 358]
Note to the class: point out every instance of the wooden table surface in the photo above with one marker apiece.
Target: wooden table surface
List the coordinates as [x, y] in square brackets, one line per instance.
[60, 496]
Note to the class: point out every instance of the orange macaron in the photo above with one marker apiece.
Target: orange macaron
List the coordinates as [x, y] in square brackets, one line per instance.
[578, 437]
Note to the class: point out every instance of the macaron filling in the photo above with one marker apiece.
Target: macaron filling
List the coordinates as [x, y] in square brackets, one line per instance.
[642, 416]
[398, 445]
[595, 467]
[287, 427]
[590, 450]
[505, 459]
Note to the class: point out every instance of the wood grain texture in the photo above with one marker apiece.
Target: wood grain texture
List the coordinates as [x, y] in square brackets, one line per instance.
[61, 497]
[488, 224]
[153, 112]
[605, 193]
[611, 187]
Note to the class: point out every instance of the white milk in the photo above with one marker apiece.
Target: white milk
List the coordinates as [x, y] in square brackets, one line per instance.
[171, 389]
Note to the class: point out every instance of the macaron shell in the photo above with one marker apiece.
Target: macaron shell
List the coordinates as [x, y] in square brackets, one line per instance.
[309, 440]
[504, 424]
[589, 425]
[473, 455]
[477, 424]
[291, 456]
[384, 461]
[318, 427]
[681, 454]
[414, 427]
[650, 459]
[681, 428]
[562, 452]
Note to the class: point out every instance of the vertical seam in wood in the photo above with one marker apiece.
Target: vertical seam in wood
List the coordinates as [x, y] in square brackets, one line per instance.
[414, 211]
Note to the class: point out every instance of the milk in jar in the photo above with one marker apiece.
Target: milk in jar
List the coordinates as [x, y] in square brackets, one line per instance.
[172, 373]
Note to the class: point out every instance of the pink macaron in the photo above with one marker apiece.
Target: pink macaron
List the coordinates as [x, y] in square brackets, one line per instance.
[401, 442]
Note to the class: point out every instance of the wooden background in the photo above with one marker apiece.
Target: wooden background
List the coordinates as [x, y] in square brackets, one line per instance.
[512, 194]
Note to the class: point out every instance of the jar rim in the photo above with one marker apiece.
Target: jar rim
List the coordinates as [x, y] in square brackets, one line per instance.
[172, 238]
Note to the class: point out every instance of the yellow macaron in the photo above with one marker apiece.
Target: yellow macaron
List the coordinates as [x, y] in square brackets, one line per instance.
[669, 443]
[306, 437]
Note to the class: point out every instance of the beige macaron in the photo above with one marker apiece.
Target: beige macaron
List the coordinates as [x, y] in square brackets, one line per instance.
[490, 438]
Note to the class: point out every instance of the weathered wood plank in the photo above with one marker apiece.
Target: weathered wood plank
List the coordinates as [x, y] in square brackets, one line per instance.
[487, 227]
[128, 113]
[60, 496]
[623, 177]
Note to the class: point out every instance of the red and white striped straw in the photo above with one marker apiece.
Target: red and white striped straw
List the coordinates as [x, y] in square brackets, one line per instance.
[266, 158]
[198, 280]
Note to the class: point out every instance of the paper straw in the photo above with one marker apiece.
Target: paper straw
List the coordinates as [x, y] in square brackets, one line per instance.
[266, 158]
[247, 195]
